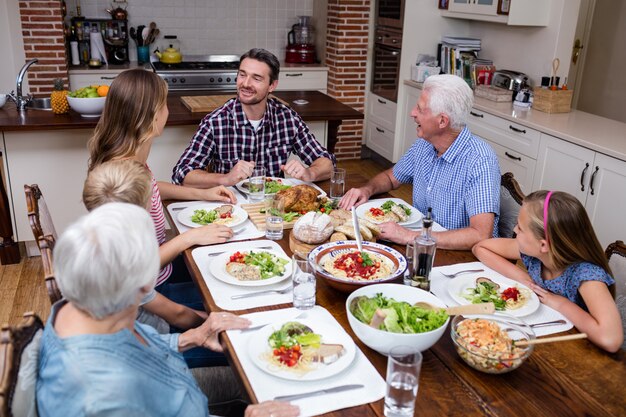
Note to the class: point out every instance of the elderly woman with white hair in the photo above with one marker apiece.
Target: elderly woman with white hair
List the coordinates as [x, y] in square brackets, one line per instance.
[95, 358]
[452, 171]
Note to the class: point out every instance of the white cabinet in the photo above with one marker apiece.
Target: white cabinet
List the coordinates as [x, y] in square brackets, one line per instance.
[409, 128]
[517, 146]
[510, 12]
[380, 129]
[595, 179]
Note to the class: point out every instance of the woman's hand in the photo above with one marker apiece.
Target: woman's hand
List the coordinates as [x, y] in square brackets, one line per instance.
[208, 235]
[272, 409]
[220, 193]
[206, 335]
[549, 298]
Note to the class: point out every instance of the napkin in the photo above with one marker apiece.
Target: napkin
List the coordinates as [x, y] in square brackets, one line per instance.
[439, 287]
[97, 47]
[266, 386]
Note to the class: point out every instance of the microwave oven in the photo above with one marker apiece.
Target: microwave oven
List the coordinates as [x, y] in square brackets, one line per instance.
[390, 13]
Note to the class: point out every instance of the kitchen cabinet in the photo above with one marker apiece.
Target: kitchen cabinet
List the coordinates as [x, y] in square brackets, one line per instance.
[409, 128]
[380, 129]
[597, 180]
[520, 12]
[516, 145]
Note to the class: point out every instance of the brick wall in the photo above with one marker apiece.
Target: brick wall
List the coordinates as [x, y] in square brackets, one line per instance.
[42, 30]
[346, 57]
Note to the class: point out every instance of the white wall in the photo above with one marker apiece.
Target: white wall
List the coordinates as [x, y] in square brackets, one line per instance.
[11, 45]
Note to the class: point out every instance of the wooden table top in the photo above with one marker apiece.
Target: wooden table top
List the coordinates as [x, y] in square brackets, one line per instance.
[560, 379]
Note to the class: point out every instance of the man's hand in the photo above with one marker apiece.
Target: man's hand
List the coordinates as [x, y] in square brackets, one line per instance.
[393, 232]
[220, 193]
[298, 171]
[206, 335]
[241, 171]
[272, 409]
[354, 197]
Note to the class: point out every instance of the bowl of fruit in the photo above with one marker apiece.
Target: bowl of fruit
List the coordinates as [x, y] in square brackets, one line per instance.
[88, 101]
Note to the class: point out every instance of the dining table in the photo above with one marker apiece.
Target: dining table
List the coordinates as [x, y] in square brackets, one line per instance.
[573, 378]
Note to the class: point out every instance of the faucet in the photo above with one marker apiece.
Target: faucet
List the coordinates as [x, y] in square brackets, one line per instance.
[21, 101]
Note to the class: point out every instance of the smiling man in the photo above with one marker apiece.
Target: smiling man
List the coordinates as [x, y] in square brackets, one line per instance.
[252, 129]
[452, 171]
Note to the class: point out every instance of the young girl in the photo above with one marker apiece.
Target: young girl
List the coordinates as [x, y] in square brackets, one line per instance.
[567, 268]
[135, 114]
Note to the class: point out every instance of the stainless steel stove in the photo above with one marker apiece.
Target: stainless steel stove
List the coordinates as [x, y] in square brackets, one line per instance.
[200, 72]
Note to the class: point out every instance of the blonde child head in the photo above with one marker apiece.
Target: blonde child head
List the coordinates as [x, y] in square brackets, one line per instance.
[124, 180]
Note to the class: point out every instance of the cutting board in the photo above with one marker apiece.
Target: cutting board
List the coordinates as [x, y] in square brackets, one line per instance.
[258, 218]
[206, 104]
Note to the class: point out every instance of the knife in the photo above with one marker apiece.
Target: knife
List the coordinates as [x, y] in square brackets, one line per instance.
[340, 388]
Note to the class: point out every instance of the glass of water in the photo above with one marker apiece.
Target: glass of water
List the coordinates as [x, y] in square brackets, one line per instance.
[274, 212]
[257, 185]
[303, 279]
[337, 183]
[403, 372]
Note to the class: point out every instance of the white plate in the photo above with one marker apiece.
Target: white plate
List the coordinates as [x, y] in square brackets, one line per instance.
[184, 216]
[415, 216]
[286, 181]
[458, 285]
[218, 269]
[330, 332]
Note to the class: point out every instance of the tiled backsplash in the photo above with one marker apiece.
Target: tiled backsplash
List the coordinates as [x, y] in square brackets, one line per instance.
[210, 26]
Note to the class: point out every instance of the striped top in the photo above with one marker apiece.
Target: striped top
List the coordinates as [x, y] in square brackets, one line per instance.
[463, 182]
[158, 217]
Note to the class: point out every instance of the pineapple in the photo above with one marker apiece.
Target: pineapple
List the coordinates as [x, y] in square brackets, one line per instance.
[58, 98]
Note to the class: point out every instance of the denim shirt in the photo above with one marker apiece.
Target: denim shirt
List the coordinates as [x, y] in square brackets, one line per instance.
[114, 374]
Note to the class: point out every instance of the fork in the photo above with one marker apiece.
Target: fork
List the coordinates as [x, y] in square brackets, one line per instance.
[212, 254]
[254, 294]
[465, 271]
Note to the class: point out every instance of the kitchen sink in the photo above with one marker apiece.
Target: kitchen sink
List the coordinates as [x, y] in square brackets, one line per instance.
[39, 104]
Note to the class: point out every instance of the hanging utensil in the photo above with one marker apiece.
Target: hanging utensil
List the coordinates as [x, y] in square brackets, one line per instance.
[555, 68]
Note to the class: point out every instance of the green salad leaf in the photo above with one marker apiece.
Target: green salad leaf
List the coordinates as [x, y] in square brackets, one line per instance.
[484, 292]
[386, 207]
[203, 216]
[269, 264]
[272, 187]
[400, 316]
[293, 333]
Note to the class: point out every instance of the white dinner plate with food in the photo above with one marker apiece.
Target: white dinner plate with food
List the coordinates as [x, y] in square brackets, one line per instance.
[370, 211]
[338, 351]
[192, 216]
[221, 271]
[465, 285]
[272, 185]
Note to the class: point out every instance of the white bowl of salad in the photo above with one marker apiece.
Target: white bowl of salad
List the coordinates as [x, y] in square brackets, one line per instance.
[384, 316]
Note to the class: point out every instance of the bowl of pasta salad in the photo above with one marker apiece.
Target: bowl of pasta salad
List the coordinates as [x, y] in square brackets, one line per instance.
[490, 343]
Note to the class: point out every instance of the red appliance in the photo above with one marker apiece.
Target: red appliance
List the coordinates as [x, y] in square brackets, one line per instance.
[301, 43]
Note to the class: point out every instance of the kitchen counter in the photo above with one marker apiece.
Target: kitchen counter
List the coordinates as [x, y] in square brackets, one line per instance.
[585, 129]
[106, 69]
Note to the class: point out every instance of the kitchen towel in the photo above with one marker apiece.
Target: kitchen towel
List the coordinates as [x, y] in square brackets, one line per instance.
[222, 292]
[267, 386]
[97, 47]
[439, 287]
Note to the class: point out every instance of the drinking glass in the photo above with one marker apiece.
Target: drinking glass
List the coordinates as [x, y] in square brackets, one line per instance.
[337, 183]
[403, 372]
[257, 185]
[303, 279]
[274, 212]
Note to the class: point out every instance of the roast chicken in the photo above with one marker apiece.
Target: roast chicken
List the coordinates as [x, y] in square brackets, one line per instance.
[299, 198]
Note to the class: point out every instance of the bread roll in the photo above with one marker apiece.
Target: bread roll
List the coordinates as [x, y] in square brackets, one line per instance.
[338, 236]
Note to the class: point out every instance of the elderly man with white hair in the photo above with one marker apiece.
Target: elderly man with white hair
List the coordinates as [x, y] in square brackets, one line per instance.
[95, 358]
[452, 171]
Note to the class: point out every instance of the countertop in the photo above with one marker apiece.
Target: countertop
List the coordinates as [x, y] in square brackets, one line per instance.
[115, 69]
[597, 133]
[321, 107]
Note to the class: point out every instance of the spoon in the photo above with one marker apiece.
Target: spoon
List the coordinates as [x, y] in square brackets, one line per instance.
[481, 308]
[357, 233]
[551, 339]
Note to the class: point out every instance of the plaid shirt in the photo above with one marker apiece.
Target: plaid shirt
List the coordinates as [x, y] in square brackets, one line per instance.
[225, 136]
[463, 182]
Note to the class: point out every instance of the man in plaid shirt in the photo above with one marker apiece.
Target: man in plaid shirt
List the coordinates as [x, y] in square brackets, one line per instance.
[252, 130]
[452, 171]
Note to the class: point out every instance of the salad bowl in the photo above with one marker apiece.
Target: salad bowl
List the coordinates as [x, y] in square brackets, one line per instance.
[383, 341]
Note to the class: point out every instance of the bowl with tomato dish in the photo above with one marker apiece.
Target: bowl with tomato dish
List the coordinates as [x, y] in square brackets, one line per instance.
[345, 268]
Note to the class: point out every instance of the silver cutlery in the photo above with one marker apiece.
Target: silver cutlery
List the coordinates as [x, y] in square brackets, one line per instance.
[178, 208]
[254, 294]
[548, 323]
[340, 388]
[212, 254]
[465, 271]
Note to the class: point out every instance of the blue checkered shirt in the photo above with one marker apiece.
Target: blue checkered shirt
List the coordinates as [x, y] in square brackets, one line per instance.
[225, 136]
[463, 182]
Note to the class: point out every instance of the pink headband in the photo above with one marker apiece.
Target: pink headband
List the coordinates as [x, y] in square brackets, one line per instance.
[546, 202]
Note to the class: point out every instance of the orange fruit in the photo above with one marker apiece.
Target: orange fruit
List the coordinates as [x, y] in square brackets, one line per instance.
[103, 90]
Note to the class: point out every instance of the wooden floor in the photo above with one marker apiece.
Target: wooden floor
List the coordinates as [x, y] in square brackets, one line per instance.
[22, 287]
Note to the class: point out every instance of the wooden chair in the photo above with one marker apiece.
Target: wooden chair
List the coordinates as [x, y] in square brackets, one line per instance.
[511, 197]
[45, 235]
[19, 355]
[616, 254]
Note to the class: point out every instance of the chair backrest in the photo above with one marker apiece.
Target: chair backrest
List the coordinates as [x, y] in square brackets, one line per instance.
[44, 234]
[19, 356]
[616, 254]
[511, 197]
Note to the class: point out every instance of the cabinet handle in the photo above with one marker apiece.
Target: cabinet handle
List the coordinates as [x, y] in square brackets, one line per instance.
[477, 114]
[107, 78]
[382, 101]
[395, 53]
[582, 177]
[295, 74]
[380, 130]
[514, 129]
[394, 41]
[593, 177]
[517, 158]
